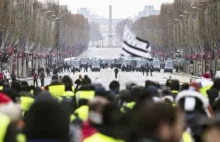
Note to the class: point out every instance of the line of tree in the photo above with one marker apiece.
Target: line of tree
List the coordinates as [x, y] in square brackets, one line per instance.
[189, 25]
[33, 26]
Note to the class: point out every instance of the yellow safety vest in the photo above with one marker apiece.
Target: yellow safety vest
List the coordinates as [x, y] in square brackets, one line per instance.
[174, 91]
[204, 90]
[98, 137]
[4, 123]
[20, 137]
[26, 102]
[72, 117]
[186, 137]
[83, 112]
[129, 106]
[68, 94]
[85, 95]
[57, 90]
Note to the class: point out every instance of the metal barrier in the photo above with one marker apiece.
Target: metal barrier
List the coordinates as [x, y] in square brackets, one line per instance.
[195, 79]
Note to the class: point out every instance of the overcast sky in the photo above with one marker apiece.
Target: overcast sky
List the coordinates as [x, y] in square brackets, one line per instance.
[121, 8]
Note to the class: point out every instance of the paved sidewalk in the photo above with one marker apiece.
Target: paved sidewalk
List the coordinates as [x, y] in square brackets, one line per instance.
[185, 74]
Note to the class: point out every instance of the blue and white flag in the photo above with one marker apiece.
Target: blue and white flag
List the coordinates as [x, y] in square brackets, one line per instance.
[134, 46]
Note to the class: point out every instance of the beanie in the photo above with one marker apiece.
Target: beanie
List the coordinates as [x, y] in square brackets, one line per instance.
[4, 99]
[206, 75]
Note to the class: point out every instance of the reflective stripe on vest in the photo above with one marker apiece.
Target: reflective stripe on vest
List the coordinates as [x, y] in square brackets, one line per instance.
[98, 137]
[204, 90]
[72, 117]
[20, 137]
[186, 137]
[4, 123]
[85, 95]
[68, 94]
[26, 102]
[56, 90]
[82, 112]
[1, 88]
[174, 91]
[129, 106]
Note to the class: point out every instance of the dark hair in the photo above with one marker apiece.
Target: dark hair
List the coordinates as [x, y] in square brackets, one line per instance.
[16, 86]
[185, 86]
[55, 124]
[151, 83]
[25, 86]
[151, 115]
[54, 77]
[175, 85]
[67, 80]
[168, 83]
[114, 85]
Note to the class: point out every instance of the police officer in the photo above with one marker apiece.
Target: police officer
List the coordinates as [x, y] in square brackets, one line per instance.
[143, 69]
[116, 73]
[151, 69]
[147, 68]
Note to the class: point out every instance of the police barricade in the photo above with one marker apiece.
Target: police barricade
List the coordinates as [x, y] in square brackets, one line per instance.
[195, 79]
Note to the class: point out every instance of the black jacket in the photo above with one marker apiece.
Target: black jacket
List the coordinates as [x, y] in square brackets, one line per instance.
[213, 94]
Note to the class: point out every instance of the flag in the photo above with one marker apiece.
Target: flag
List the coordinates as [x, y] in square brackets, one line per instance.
[134, 46]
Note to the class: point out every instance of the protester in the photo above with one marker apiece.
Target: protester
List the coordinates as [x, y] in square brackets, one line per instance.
[60, 113]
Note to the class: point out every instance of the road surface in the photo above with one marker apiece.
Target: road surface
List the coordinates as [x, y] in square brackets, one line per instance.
[105, 76]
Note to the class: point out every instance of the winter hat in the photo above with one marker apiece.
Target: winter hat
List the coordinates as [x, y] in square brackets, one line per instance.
[4, 99]
[206, 75]
[13, 111]
[47, 120]
[152, 90]
[192, 101]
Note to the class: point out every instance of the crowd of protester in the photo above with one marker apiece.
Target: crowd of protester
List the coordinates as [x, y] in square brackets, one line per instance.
[80, 111]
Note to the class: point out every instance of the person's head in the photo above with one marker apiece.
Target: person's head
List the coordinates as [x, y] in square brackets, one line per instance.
[216, 83]
[15, 85]
[96, 106]
[47, 120]
[80, 76]
[6, 85]
[160, 121]
[166, 92]
[175, 85]
[185, 86]
[25, 86]
[67, 80]
[136, 92]
[114, 86]
[149, 83]
[54, 77]
[168, 83]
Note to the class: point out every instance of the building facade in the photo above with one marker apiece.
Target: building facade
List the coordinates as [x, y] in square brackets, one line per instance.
[148, 10]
